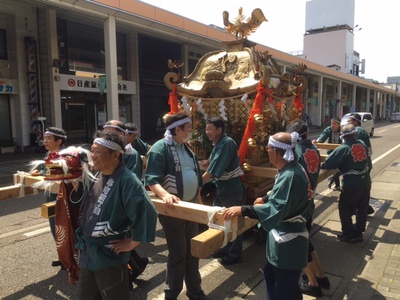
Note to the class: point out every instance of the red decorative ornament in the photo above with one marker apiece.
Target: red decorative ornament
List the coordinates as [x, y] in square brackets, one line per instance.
[173, 101]
[298, 99]
[257, 109]
[57, 164]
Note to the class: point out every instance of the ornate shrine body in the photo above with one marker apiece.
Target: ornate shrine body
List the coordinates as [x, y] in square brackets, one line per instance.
[247, 89]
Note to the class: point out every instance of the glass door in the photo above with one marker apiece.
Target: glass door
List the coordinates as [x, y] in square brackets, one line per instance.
[74, 123]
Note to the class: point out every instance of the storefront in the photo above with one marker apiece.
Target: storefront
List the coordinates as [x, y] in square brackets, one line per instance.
[84, 109]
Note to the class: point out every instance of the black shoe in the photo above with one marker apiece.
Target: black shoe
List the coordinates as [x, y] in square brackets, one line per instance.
[145, 261]
[349, 238]
[307, 289]
[197, 296]
[56, 263]
[330, 182]
[322, 282]
[370, 210]
[170, 298]
[219, 253]
[336, 188]
[229, 260]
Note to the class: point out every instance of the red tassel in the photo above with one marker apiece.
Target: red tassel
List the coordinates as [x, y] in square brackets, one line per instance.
[298, 99]
[173, 101]
[257, 109]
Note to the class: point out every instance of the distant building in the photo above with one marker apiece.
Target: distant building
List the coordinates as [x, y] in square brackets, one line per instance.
[393, 79]
[329, 37]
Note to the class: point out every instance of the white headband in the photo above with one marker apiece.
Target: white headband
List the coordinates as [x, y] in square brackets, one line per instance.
[354, 118]
[301, 135]
[168, 135]
[288, 156]
[115, 126]
[55, 134]
[131, 131]
[108, 144]
[348, 133]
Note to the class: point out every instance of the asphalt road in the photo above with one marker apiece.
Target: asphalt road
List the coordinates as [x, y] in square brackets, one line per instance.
[27, 248]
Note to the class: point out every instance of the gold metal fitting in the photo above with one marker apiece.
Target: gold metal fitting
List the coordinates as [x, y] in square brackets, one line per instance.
[246, 167]
[252, 143]
[258, 118]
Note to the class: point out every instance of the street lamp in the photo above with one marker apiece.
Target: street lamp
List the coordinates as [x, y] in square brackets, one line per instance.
[355, 29]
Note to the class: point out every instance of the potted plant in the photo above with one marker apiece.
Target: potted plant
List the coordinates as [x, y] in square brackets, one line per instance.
[8, 145]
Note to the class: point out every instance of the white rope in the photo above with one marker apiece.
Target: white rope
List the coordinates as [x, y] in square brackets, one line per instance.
[211, 211]
[227, 228]
[21, 184]
[75, 187]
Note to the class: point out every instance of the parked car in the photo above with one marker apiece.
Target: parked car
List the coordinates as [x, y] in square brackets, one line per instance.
[395, 117]
[367, 121]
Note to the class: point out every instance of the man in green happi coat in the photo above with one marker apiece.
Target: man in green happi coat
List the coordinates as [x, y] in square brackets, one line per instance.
[284, 217]
[116, 215]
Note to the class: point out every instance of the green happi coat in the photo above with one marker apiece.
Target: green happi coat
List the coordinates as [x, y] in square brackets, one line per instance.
[161, 168]
[309, 157]
[127, 211]
[352, 159]
[141, 146]
[330, 135]
[284, 217]
[133, 161]
[362, 134]
[225, 167]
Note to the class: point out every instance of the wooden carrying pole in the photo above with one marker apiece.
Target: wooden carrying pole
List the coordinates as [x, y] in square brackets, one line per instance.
[203, 244]
[208, 241]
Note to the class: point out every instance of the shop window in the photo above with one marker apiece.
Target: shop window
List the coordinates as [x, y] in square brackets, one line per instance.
[193, 59]
[3, 45]
[81, 49]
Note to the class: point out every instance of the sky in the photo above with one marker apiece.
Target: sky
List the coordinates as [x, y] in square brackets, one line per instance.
[377, 42]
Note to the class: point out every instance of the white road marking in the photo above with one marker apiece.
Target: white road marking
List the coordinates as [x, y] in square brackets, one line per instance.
[384, 154]
[36, 232]
[382, 131]
[33, 227]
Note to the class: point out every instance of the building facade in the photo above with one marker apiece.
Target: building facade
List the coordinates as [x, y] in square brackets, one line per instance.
[76, 64]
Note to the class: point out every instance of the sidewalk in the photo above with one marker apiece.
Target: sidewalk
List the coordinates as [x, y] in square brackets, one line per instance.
[368, 270]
